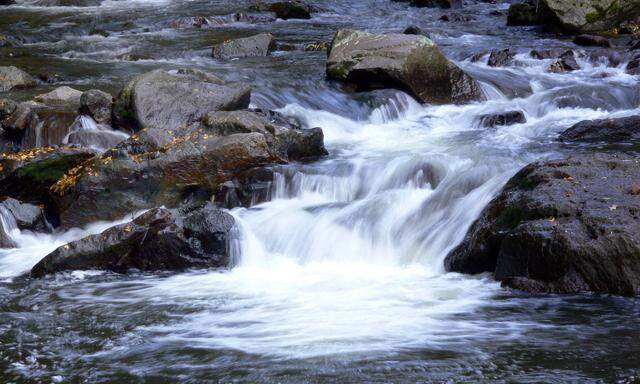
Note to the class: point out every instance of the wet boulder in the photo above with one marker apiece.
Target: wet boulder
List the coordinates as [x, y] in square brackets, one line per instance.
[28, 175]
[456, 18]
[561, 226]
[65, 96]
[437, 3]
[37, 125]
[97, 105]
[633, 67]
[291, 10]
[15, 78]
[173, 100]
[542, 54]
[26, 216]
[410, 63]
[158, 240]
[415, 30]
[565, 63]
[189, 22]
[502, 119]
[585, 16]
[621, 130]
[526, 13]
[501, 57]
[592, 41]
[253, 46]
[155, 167]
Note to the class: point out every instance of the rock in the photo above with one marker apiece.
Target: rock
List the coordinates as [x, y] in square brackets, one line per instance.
[14, 78]
[527, 13]
[634, 45]
[155, 168]
[506, 118]
[27, 216]
[456, 17]
[291, 10]
[410, 63]
[7, 2]
[28, 175]
[633, 67]
[173, 100]
[584, 16]
[592, 41]
[97, 105]
[437, 3]
[543, 54]
[253, 46]
[247, 188]
[415, 30]
[561, 226]
[501, 58]
[61, 96]
[189, 22]
[566, 63]
[8, 41]
[158, 240]
[621, 130]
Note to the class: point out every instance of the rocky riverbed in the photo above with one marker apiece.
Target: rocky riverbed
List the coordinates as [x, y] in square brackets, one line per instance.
[320, 191]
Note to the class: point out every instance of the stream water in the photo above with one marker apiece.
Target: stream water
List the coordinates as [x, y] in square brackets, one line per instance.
[339, 278]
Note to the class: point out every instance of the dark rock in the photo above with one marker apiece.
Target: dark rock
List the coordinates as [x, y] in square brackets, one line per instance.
[158, 240]
[501, 58]
[633, 67]
[171, 101]
[247, 188]
[542, 54]
[561, 226]
[506, 118]
[634, 45]
[37, 125]
[189, 22]
[8, 41]
[291, 10]
[7, 2]
[97, 105]
[15, 78]
[27, 216]
[566, 63]
[415, 30]
[253, 46]
[28, 175]
[456, 17]
[410, 63]
[621, 130]
[592, 41]
[527, 13]
[437, 3]
[588, 16]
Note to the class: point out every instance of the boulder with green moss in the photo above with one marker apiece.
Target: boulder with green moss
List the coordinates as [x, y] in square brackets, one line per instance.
[581, 16]
[410, 63]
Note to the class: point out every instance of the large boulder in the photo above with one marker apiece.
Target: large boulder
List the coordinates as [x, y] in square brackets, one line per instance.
[622, 130]
[173, 100]
[410, 63]
[154, 167]
[580, 16]
[159, 239]
[14, 78]
[526, 13]
[253, 46]
[97, 105]
[561, 226]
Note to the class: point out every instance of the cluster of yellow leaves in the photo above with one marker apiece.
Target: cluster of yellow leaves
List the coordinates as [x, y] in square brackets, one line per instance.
[68, 180]
[27, 155]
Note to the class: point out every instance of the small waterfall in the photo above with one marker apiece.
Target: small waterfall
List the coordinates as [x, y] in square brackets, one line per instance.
[86, 132]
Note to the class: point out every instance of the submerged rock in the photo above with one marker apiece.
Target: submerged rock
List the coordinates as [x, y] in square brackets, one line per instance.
[621, 130]
[159, 239]
[173, 100]
[14, 78]
[561, 226]
[506, 118]
[410, 63]
[437, 3]
[592, 41]
[291, 10]
[253, 46]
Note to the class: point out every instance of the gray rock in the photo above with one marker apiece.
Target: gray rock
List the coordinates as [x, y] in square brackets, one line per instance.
[13, 78]
[561, 226]
[253, 46]
[172, 101]
[407, 62]
[566, 63]
[592, 41]
[506, 118]
[583, 16]
[97, 105]
[621, 130]
[291, 10]
[27, 216]
[66, 96]
[160, 239]
[501, 58]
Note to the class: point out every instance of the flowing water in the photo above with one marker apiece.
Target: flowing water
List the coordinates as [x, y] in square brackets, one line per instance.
[338, 278]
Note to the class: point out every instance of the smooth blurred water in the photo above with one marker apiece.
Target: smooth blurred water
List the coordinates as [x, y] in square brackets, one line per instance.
[339, 278]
